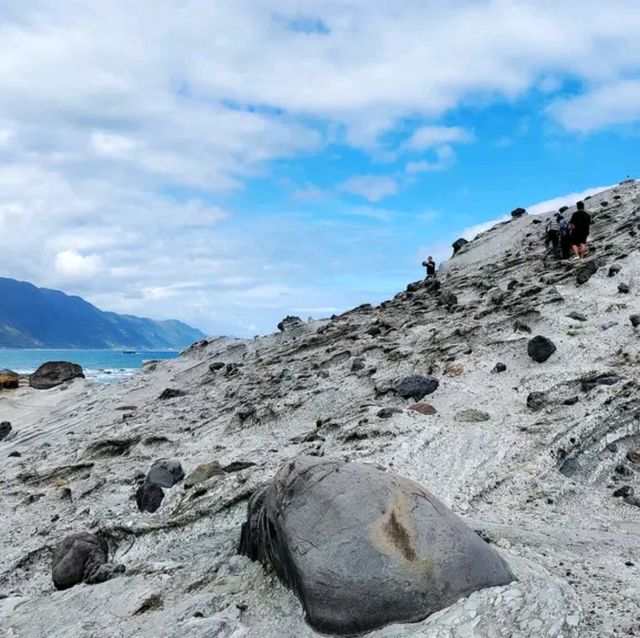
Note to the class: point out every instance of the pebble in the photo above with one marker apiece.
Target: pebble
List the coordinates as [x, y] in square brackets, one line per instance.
[5, 429]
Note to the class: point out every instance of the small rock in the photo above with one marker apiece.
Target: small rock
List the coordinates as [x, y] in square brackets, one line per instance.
[586, 272]
[471, 415]
[289, 323]
[608, 324]
[625, 490]
[633, 456]
[9, 380]
[15, 454]
[423, 408]
[387, 413]
[216, 365]
[612, 447]
[165, 473]
[454, 369]
[5, 429]
[571, 401]
[623, 288]
[458, 244]
[520, 326]
[203, 473]
[577, 316]
[518, 212]
[623, 470]
[357, 365]
[614, 269]
[54, 373]
[540, 348]
[416, 386]
[149, 497]
[635, 320]
[498, 368]
[171, 393]
[536, 401]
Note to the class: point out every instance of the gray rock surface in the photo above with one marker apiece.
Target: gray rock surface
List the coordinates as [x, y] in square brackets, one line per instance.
[54, 373]
[165, 472]
[363, 548]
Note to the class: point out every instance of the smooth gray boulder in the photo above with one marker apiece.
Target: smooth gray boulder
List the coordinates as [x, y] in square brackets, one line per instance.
[362, 548]
[54, 373]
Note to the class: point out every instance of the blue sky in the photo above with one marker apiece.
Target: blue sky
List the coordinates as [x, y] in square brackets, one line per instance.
[230, 163]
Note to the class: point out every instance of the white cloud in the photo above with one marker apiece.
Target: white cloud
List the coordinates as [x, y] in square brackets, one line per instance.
[371, 187]
[429, 136]
[73, 265]
[110, 144]
[564, 200]
[612, 103]
[445, 157]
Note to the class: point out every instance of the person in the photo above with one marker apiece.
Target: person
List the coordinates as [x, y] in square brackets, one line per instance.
[565, 236]
[553, 234]
[430, 265]
[580, 225]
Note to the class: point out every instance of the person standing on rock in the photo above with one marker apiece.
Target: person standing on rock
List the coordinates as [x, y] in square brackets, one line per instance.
[553, 234]
[430, 265]
[580, 225]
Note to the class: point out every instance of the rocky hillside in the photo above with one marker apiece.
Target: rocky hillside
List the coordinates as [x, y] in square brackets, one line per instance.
[540, 458]
[32, 317]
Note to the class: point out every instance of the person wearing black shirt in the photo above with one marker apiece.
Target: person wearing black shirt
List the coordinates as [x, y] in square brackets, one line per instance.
[580, 225]
[430, 265]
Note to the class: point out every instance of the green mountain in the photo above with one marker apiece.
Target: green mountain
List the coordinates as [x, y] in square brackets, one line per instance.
[32, 317]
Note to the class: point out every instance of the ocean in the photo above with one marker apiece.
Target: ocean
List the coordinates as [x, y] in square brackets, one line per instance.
[104, 366]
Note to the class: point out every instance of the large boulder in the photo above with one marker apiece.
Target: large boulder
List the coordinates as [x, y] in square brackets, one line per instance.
[9, 379]
[458, 244]
[518, 212]
[362, 548]
[540, 348]
[416, 386]
[54, 373]
[289, 323]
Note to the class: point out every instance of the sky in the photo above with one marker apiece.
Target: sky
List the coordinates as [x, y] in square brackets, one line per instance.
[229, 163]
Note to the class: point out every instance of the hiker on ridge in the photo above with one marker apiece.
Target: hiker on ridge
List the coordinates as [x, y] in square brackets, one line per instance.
[430, 265]
[565, 236]
[553, 234]
[580, 225]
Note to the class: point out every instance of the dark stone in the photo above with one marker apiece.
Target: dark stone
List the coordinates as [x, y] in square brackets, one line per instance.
[357, 365]
[623, 470]
[588, 383]
[513, 284]
[635, 320]
[416, 386]
[536, 401]
[387, 413]
[623, 288]
[423, 408]
[614, 269]
[609, 324]
[54, 373]
[625, 490]
[562, 209]
[216, 365]
[165, 473]
[289, 322]
[498, 368]
[149, 497]
[458, 244]
[518, 212]
[586, 272]
[577, 316]
[540, 348]
[520, 326]
[15, 454]
[9, 380]
[633, 456]
[612, 447]
[5, 429]
[237, 466]
[171, 393]
[571, 401]
[82, 557]
[377, 538]
[570, 467]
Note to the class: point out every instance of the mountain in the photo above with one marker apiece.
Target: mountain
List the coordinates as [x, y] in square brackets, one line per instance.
[540, 459]
[32, 317]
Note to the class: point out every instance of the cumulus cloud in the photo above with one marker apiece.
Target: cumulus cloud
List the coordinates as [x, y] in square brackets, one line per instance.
[72, 265]
[444, 158]
[429, 136]
[371, 187]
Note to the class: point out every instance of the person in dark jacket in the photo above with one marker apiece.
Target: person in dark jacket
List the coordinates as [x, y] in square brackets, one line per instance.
[580, 226]
[430, 265]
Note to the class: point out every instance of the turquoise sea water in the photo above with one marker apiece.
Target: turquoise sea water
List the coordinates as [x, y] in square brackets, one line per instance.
[105, 366]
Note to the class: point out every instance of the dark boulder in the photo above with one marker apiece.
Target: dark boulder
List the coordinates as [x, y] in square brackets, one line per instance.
[614, 269]
[562, 209]
[458, 244]
[9, 380]
[587, 271]
[576, 316]
[216, 365]
[540, 348]
[624, 491]
[54, 373]
[384, 551]
[623, 288]
[521, 326]
[171, 393]
[518, 212]
[416, 386]
[536, 401]
[633, 456]
[635, 320]
[387, 413]
[82, 558]
[149, 497]
[165, 473]
[498, 368]
[289, 322]
[5, 429]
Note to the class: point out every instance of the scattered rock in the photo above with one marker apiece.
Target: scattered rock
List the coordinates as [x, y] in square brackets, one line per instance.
[518, 212]
[5, 429]
[386, 525]
[203, 473]
[498, 368]
[165, 473]
[238, 466]
[625, 490]
[357, 365]
[614, 269]
[15, 454]
[458, 244]
[586, 272]
[471, 415]
[416, 386]
[536, 401]
[423, 408]
[454, 370]
[633, 456]
[590, 382]
[149, 497]
[623, 288]
[289, 323]
[540, 348]
[608, 324]
[571, 400]
[216, 365]
[448, 299]
[82, 558]
[387, 413]
[520, 326]
[171, 393]
[635, 320]
[9, 380]
[54, 373]
[577, 316]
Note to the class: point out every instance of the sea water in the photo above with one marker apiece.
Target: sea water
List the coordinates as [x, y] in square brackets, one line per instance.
[104, 366]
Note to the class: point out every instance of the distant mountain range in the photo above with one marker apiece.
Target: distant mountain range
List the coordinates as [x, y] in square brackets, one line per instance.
[32, 317]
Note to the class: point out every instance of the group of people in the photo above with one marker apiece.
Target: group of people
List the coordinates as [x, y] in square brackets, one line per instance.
[568, 238]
